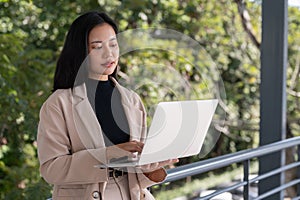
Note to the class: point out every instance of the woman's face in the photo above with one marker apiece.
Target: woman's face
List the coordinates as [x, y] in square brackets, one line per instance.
[103, 51]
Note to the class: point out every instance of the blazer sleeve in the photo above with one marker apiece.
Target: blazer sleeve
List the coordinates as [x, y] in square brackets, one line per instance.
[58, 165]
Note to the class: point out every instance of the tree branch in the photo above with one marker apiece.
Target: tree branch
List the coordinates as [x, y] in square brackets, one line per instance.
[295, 75]
[246, 22]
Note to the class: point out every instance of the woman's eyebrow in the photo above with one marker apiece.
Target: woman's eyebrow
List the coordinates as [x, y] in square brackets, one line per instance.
[96, 41]
[99, 41]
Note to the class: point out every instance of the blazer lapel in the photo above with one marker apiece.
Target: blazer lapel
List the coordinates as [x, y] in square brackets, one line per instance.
[85, 119]
[86, 122]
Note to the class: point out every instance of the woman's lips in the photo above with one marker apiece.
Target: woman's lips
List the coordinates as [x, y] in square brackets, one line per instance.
[108, 64]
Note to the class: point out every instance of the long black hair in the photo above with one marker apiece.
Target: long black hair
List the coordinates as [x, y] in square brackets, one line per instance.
[75, 50]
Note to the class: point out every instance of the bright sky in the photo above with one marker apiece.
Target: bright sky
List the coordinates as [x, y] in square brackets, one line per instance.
[294, 3]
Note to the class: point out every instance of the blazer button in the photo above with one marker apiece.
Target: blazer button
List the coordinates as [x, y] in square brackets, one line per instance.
[96, 195]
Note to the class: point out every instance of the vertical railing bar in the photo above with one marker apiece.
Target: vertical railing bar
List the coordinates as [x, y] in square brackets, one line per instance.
[246, 165]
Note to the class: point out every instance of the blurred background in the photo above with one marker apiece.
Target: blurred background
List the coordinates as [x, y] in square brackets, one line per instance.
[229, 33]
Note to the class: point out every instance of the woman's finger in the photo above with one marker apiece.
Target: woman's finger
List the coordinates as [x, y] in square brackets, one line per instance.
[132, 146]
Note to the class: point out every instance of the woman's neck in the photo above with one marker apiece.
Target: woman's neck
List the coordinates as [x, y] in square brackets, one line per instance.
[98, 77]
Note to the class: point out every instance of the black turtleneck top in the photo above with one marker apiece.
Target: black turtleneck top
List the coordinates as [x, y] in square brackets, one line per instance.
[106, 102]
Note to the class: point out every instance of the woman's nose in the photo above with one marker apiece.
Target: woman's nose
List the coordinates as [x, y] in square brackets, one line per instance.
[107, 52]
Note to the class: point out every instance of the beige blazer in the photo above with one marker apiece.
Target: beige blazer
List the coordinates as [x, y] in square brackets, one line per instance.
[70, 143]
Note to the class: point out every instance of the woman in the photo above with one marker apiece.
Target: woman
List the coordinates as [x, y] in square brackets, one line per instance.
[90, 119]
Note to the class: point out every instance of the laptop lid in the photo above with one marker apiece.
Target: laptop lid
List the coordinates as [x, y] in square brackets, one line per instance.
[177, 130]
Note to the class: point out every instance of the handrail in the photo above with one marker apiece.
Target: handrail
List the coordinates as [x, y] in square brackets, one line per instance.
[225, 160]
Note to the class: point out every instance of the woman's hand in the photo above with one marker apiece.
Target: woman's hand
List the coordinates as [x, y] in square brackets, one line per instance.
[132, 146]
[155, 171]
[127, 149]
[155, 166]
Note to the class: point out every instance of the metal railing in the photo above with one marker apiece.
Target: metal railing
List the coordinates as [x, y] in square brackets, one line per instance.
[245, 158]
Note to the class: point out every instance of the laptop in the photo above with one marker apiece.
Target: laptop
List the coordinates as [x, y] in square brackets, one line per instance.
[177, 130]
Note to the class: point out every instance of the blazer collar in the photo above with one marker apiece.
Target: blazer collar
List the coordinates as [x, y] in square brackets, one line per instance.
[87, 121]
[80, 91]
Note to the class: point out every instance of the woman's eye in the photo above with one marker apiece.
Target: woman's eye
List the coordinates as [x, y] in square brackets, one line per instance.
[97, 47]
[113, 45]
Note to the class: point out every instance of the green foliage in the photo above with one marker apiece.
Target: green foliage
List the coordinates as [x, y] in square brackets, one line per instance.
[32, 34]
[293, 72]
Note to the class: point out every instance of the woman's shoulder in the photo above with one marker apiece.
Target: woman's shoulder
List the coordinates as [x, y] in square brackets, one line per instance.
[58, 96]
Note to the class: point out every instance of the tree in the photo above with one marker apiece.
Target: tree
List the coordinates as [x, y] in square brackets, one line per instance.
[227, 35]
